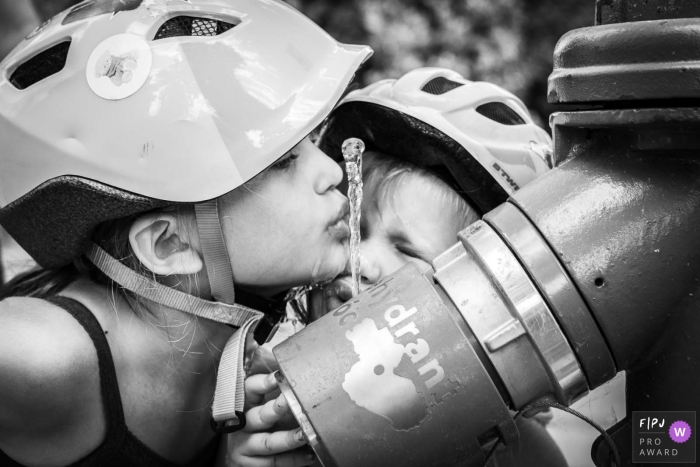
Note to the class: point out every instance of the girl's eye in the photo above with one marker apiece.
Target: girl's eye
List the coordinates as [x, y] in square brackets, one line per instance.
[406, 251]
[285, 163]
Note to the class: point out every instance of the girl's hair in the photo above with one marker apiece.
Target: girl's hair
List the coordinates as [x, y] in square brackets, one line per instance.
[112, 236]
[388, 172]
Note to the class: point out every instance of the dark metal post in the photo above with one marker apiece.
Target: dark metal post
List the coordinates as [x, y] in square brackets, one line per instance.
[631, 168]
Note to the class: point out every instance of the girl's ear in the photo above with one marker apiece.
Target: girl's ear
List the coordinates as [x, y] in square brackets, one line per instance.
[161, 242]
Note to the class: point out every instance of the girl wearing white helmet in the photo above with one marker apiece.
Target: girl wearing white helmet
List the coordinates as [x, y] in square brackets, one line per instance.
[155, 152]
[441, 151]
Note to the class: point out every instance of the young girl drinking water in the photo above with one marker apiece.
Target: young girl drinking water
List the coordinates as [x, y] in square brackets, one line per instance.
[145, 200]
[441, 152]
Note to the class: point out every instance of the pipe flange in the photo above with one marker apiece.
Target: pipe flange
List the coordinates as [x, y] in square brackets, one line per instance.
[558, 289]
[530, 309]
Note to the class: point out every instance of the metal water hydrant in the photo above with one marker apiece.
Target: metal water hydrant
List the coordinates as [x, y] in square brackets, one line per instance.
[592, 269]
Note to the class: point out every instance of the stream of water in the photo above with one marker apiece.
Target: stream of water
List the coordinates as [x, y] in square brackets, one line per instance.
[352, 152]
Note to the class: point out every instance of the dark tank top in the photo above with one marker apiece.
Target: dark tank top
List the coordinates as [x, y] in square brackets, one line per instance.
[120, 448]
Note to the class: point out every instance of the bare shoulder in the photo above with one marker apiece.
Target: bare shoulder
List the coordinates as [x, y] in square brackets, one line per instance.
[49, 367]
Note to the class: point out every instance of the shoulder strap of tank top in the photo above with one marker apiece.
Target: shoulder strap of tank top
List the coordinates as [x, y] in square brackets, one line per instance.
[111, 397]
[229, 395]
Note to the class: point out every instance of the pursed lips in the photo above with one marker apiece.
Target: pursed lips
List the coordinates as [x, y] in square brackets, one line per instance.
[342, 214]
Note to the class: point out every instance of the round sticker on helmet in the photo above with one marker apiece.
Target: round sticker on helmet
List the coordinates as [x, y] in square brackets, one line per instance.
[119, 66]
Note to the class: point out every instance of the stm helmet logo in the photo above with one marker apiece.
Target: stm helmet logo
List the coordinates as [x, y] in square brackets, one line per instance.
[507, 177]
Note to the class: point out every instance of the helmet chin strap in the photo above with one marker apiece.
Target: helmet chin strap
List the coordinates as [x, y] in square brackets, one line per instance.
[229, 396]
[214, 250]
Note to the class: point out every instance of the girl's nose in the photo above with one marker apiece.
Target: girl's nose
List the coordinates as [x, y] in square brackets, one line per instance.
[329, 173]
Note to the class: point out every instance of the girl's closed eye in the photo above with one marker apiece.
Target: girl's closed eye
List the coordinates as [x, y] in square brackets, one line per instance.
[406, 250]
[285, 162]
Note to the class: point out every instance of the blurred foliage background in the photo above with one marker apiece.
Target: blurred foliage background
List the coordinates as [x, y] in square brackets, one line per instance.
[507, 42]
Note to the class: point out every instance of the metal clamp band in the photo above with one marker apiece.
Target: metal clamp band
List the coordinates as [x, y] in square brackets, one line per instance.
[561, 294]
[529, 307]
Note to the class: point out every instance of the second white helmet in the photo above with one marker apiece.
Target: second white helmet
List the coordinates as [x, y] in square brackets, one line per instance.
[476, 135]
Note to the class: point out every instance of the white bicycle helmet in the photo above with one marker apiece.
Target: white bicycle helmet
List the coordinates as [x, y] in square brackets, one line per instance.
[119, 106]
[479, 137]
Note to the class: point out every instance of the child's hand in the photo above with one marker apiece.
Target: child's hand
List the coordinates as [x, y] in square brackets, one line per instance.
[255, 445]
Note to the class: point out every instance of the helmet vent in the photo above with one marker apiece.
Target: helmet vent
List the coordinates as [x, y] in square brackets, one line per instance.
[501, 113]
[40, 66]
[192, 26]
[440, 85]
